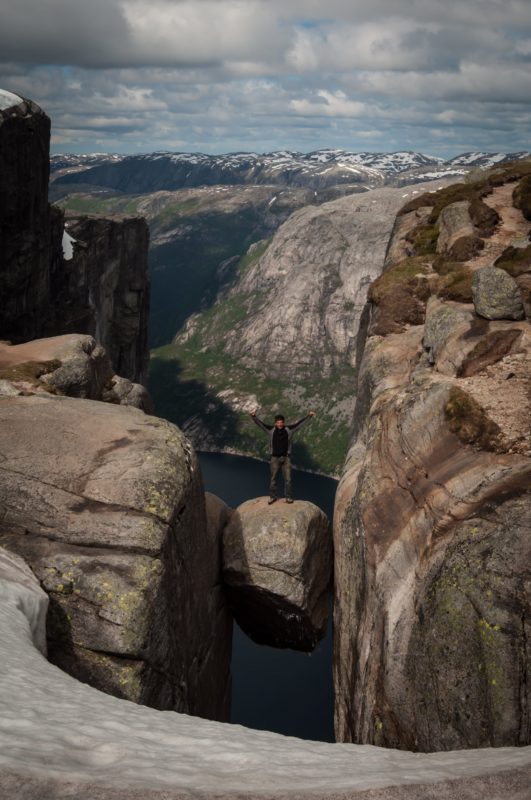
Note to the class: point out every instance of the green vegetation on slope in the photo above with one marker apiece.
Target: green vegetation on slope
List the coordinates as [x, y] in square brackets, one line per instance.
[186, 379]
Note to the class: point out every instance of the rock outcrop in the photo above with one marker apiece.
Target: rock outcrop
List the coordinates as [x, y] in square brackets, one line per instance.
[277, 563]
[73, 365]
[433, 512]
[91, 277]
[60, 738]
[106, 505]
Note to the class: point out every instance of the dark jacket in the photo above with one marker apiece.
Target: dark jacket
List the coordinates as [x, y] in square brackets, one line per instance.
[270, 429]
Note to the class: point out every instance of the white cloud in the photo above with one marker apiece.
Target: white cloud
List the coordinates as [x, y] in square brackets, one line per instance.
[261, 74]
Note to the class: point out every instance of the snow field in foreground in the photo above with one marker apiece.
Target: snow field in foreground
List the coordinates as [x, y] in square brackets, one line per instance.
[53, 726]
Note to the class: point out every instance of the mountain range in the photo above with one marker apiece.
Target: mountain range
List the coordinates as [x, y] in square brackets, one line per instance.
[317, 170]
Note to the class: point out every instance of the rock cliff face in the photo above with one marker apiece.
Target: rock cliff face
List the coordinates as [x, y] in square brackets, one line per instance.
[51, 285]
[285, 335]
[432, 520]
[104, 288]
[106, 505]
[25, 220]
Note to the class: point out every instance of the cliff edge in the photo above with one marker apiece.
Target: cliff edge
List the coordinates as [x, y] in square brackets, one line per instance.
[433, 511]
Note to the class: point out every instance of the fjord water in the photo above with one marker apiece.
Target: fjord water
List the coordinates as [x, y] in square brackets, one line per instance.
[272, 689]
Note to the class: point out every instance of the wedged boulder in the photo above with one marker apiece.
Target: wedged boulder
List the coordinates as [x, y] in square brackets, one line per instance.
[496, 294]
[72, 364]
[277, 563]
[106, 505]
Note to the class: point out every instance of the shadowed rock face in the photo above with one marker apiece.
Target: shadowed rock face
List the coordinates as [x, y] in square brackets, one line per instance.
[106, 505]
[277, 561]
[100, 288]
[25, 221]
[433, 517]
[105, 289]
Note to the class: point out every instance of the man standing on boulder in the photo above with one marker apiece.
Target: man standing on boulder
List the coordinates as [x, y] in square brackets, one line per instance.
[280, 438]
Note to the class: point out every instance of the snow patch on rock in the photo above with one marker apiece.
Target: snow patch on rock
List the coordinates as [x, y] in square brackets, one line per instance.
[8, 100]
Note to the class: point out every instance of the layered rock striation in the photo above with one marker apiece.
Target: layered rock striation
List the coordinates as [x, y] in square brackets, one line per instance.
[103, 289]
[433, 512]
[277, 564]
[106, 504]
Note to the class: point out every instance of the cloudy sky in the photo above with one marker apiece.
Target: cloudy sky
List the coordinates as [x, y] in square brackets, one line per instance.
[128, 76]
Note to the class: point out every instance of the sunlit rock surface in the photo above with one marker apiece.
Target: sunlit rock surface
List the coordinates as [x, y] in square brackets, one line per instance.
[63, 739]
[106, 505]
[277, 562]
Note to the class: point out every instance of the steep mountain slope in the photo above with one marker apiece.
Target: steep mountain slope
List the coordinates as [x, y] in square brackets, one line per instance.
[284, 336]
[432, 519]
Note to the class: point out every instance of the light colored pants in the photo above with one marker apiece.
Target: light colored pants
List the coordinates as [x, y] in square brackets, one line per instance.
[280, 463]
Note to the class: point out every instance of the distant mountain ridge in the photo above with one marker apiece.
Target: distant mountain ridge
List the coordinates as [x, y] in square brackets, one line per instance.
[319, 169]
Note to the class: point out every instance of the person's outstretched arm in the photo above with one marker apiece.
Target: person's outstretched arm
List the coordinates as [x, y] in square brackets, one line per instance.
[260, 423]
[301, 421]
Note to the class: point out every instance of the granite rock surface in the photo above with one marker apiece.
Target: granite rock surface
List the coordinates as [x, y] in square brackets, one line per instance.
[496, 294]
[432, 521]
[277, 562]
[106, 505]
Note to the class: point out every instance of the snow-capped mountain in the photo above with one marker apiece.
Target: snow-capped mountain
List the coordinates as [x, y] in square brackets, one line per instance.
[486, 160]
[318, 170]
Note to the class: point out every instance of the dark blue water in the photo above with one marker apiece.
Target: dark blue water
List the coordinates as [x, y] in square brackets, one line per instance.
[276, 690]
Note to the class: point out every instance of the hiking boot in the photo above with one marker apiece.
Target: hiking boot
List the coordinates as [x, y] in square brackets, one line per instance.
[271, 500]
[289, 499]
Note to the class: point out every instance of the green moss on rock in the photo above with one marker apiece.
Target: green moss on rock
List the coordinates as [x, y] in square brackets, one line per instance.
[469, 421]
[457, 285]
[465, 248]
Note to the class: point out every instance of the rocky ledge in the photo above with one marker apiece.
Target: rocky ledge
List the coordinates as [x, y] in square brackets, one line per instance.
[74, 365]
[277, 563]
